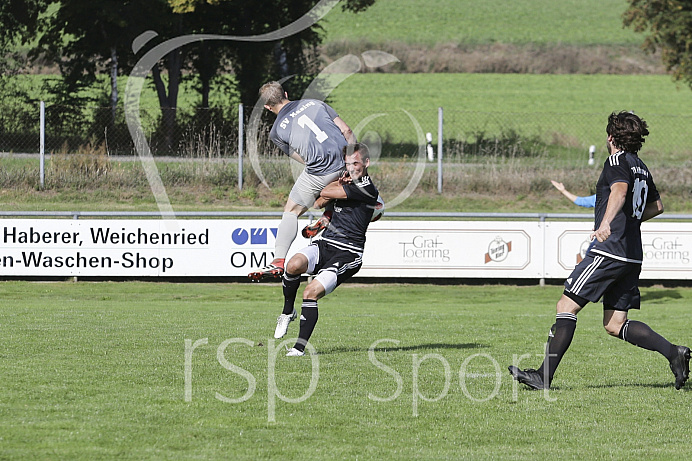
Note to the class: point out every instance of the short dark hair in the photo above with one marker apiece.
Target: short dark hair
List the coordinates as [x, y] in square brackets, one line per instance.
[357, 147]
[628, 131]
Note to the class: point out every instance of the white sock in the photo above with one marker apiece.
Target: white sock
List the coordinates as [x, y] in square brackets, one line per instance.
[288, 229]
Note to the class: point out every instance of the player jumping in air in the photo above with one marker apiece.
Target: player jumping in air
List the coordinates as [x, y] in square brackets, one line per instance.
[625, 197]
[312, 133]
[337, 256]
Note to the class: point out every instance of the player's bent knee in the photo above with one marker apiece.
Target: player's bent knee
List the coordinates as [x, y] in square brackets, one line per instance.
[613, 321]
[613, 327]
[327, 281]
[314, 290]
[566, 304]
[298, 264]
[295, 208]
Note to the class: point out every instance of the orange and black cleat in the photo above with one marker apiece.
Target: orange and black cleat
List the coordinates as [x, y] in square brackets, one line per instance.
[311, 230]
[274, 270]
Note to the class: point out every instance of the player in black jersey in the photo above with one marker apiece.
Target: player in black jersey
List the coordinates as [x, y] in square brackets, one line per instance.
[625, 197]
[337, 256]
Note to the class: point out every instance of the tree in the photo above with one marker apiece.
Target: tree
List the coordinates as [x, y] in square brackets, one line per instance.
[19, 20]
[255, 62]
[252, 62]
[669, 26]
[84, 36]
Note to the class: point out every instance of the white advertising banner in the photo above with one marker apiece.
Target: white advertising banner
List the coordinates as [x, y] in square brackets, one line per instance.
[234, 247]
[123, 248]
[453, 249]
[667, 249]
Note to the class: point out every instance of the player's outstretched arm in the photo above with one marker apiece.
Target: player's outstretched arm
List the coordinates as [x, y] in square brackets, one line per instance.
[561, 187]
[345, 130]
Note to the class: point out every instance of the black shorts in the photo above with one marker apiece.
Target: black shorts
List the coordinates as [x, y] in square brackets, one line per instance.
[599, 276]
[332, 265]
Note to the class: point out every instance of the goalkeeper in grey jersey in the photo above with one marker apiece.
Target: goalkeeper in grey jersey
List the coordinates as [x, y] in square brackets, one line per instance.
[312, 133]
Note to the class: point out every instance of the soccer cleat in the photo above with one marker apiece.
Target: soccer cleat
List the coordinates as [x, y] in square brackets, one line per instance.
[282, 324]
[293, 352]
[275, 269]
[311, 230]
[530, 377]
[680, 366]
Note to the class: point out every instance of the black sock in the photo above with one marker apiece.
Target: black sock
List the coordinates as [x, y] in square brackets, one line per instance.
[561, 334]
[308, 320]
[640, 334]
[291, 283]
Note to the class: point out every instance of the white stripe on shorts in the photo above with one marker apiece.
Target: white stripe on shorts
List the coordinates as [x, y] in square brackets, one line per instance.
[590, 269]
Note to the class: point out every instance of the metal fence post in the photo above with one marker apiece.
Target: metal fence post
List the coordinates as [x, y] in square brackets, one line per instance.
[439, 150]
[42, 143]
[241, 136]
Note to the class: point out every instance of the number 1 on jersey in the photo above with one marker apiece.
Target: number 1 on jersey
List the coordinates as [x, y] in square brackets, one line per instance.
[305, 120]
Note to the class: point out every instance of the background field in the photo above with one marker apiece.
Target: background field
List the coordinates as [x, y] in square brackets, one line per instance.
[573, 106]
[97, 370]
[582, 22]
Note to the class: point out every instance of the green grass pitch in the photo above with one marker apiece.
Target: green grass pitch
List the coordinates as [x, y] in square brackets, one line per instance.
[577, 22]
[149, 371]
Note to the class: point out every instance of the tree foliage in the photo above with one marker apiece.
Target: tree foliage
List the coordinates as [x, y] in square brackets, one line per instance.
[255, 62]
[668, 25]
[82, 35]
[87, 38]
[19, 19]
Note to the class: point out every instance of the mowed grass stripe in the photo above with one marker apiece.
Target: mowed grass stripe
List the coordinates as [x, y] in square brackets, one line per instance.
[575, 106]
[97, 370]
[577, 22]
[513, 93]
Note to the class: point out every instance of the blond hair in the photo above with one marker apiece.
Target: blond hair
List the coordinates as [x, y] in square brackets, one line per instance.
[272, 93]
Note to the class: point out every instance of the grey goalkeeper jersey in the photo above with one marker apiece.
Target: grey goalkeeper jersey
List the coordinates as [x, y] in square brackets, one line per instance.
[307, 127]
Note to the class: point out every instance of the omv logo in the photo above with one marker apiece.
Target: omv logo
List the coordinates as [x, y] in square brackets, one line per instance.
[256, 235]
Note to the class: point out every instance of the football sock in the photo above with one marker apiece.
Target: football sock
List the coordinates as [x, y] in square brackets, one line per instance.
[640, 334]
[308, 320]
[561, 334]
[290, 283]
[288, 229]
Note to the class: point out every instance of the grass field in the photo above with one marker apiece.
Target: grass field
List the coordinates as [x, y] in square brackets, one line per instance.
[575, 106]
[518, 93]
[99, 371]
[578, 22]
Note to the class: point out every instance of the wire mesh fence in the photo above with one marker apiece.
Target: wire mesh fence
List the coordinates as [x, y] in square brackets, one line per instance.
[188, 133]
[395, 133]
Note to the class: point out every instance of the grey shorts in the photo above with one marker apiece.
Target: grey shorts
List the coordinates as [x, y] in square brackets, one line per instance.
[308, 187]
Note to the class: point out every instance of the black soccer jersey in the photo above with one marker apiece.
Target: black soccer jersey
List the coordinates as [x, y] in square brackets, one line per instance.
[625, 242]
[307, 127]
[352, 215]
